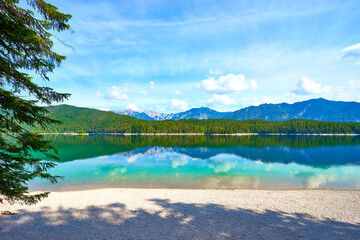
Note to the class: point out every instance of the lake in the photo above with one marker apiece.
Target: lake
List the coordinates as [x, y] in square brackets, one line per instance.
[205, 162]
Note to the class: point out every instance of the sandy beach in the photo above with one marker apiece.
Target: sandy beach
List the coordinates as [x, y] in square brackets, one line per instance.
[187, 214]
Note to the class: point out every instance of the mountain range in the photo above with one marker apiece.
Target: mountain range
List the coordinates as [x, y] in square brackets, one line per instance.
[79, 120]
[194, 113]
[313, 109]
[145, 115]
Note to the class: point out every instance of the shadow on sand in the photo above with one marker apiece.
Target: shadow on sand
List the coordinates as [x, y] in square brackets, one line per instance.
[173, 221]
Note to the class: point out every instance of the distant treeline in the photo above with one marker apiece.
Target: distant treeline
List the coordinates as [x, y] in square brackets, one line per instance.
[94, 121]
[213, 126]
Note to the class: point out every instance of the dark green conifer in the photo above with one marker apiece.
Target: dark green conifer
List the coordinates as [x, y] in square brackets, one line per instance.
[26, 52]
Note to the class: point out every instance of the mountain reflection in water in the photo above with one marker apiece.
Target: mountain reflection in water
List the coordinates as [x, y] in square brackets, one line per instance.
[225, 162]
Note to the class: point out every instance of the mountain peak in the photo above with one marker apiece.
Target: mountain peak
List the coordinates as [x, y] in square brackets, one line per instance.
[200, 109]
[312, 109]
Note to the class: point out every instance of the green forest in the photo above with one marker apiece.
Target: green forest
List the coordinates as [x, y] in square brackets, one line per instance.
[75, 119]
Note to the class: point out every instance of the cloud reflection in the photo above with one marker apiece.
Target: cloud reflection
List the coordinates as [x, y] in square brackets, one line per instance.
[178, 162]
[222, 166]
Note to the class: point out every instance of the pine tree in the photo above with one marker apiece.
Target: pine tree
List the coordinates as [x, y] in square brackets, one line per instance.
[25, 52]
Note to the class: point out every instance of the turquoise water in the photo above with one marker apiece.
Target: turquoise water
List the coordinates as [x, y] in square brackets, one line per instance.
[216, 162]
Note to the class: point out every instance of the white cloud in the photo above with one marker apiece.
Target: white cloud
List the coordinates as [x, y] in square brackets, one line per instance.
[117, 93]
[228, 83]
[161, 108]
[105, 109]
[177, 92]
[178, 105]
[152, 84]
[98, 94]
[133, 107]
[253, 84]
[306, 87]
[265, 99]
[143, 92]
[349, 92]
[351, 51]
[218, 99]
[215, 71]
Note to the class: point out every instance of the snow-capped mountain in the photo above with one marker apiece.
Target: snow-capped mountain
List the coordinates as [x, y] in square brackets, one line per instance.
[313, 109]
[194, 113]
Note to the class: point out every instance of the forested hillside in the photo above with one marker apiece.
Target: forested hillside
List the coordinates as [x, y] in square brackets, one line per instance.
[313, 109]
[94, 121]
[76, 119]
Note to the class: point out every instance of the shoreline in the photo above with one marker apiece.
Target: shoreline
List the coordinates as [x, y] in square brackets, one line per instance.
[208, 134]
[196, 189]
[127, 213]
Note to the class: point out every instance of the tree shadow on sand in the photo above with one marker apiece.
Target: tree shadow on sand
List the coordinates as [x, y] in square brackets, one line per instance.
[173, 221]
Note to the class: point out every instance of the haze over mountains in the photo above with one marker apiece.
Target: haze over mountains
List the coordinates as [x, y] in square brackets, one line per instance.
[313, 109]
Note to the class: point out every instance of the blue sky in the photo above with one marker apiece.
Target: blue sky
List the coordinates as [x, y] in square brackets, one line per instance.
[170, 56]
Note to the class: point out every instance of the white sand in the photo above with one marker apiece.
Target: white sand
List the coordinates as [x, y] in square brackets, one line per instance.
[187, 214]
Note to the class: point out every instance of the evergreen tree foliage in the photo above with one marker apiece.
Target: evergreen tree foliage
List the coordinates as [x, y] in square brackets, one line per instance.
[26, 51]
[77, 119]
